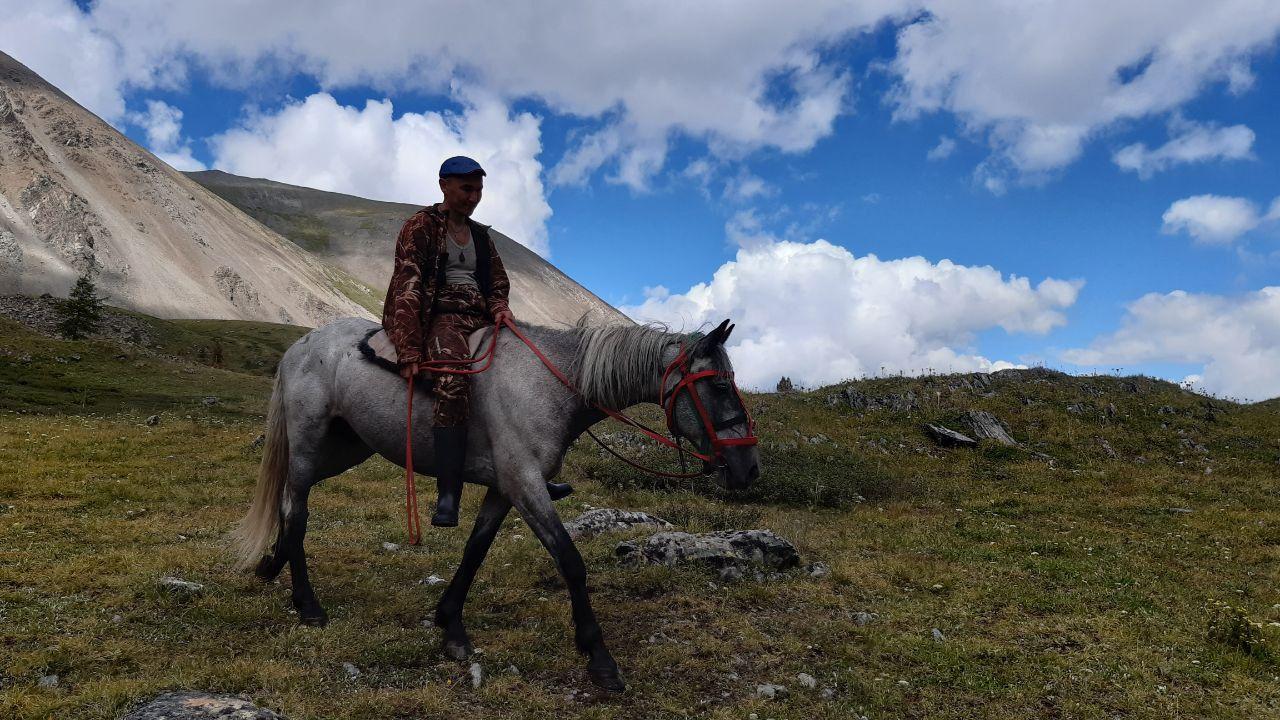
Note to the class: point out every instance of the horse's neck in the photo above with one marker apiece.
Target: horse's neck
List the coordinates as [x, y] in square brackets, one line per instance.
[644, 388]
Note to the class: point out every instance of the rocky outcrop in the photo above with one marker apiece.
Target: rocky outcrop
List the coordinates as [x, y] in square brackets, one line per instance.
[948, 437]
[602, 520]
[200, 706]
[986, 426]
[733, 548]
[855, 399]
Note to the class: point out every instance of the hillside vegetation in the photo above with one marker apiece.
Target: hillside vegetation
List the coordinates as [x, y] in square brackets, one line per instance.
[1073, 574]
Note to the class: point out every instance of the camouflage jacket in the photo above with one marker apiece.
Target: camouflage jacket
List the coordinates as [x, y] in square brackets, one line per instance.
[418, 274]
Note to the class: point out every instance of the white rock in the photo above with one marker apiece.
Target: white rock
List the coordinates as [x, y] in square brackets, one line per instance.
[863, 618]
[938, 636]
[807, 680]
[433, 579]
[390, 546]
[353, 672]
[48, 681]
[178, 586]
[477, 675]
[769, 691]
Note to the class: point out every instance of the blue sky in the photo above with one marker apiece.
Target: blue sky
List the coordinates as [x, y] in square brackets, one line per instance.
[711, 151]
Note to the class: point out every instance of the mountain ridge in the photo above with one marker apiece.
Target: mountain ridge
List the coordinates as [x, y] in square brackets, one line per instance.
[75, 193]
[358, 235]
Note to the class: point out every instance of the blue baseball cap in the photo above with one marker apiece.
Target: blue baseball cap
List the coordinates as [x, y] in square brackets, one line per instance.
[460, 165]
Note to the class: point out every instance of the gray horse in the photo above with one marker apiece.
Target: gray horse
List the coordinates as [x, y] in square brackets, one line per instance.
[333, 407]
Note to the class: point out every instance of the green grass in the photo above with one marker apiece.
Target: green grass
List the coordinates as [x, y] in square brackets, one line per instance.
[1077, 588]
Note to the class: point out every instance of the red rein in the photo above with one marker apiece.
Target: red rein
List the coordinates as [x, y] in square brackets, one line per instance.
[686, 383]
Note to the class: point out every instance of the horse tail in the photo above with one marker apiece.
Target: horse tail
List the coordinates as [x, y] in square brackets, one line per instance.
[258, 526]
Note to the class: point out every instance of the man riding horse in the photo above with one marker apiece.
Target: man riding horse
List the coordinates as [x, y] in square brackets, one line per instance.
[447, 282]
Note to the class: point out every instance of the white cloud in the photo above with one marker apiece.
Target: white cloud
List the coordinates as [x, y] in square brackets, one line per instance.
[1189, 142]
[746, 186]
[58, 42]
[1237, 339]
[369, 152]
[646, 70]
[1039, 79]
[1215, 219]
[816, 313]
[162, 123]
[943, 149]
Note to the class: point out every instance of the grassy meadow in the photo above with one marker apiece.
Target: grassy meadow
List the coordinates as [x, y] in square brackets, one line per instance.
[1063, 582]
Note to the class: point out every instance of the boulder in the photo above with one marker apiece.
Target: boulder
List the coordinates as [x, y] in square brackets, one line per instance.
[986, 426]
[200, 706]
[948, 437]
[602, 520]
[717, 549]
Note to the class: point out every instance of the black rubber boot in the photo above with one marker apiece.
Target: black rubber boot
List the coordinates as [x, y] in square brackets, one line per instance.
[450, 449]
[559, 490]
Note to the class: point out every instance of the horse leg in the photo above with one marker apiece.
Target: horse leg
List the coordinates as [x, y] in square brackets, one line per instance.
[534, 504]
[339, 450]
[295, 530]
[449, 611]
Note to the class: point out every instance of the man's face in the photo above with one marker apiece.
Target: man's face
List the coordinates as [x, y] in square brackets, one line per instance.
[462, 192]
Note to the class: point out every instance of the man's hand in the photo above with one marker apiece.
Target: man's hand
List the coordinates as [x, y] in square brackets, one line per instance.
[502, 317]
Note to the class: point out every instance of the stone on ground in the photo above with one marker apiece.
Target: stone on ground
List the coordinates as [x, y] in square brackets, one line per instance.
[718, 549]
[949, 437]
[986, 426]
[200, 706]
[602, 520]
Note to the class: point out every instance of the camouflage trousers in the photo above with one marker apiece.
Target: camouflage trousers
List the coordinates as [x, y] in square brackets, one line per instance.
[459, 311]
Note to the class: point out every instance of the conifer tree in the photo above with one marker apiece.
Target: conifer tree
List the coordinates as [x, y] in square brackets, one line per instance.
[81, 312]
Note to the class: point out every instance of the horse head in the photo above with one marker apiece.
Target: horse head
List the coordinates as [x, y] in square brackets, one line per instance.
[704, 406]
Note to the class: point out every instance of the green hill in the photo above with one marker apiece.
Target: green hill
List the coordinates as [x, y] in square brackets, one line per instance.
[1069, 575]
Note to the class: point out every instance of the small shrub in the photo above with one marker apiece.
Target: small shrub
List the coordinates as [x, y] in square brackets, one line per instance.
[1232, 626]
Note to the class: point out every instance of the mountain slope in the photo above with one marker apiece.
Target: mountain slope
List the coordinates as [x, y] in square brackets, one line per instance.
[75, 192]
[358, 235]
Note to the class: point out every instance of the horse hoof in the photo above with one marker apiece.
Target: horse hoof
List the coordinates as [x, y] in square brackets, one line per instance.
[458, 650]
[267, 570]
[607, 679]
[313, 618]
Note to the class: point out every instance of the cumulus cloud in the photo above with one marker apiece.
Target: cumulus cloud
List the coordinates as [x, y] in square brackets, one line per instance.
[815, 312]
[59, 43]
[1039, 79]
[1237, 339]
[162, 123]
[643, 70]
[368, 151]
[1190, 142]
[1216, 219]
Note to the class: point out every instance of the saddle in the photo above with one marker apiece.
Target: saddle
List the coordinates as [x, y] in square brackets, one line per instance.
[378, 349]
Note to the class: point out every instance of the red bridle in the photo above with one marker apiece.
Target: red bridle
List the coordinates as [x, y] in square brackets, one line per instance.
[668, 402]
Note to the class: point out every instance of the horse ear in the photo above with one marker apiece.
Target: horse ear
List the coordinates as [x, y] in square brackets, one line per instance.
[725, 339]
[720, 334]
